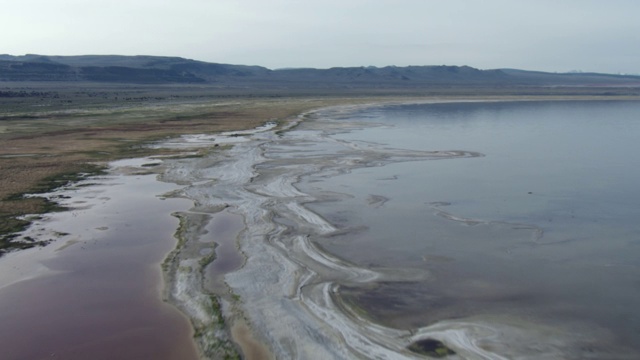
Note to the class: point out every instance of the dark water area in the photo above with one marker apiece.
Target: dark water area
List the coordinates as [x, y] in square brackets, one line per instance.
[223, 230]
[101, 295]
[544, 227]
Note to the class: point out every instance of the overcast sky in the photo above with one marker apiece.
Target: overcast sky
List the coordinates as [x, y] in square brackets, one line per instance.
[548, 35]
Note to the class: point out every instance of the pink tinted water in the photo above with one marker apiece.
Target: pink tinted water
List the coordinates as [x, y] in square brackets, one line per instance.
[101, 297]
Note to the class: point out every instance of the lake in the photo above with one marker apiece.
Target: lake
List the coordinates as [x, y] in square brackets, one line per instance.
[537, 226]
[492, 230]
[96, 292]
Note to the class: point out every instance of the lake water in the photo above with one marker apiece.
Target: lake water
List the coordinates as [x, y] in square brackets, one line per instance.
[541, 228]
[96, 291]
[503, 229]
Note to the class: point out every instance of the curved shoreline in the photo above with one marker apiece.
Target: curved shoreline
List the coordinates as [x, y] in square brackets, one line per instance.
[287, 286]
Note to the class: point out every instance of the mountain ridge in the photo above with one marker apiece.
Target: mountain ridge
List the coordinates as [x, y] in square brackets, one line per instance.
[177, 70]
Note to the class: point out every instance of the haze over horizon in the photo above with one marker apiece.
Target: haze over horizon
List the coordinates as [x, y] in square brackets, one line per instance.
[588, 35]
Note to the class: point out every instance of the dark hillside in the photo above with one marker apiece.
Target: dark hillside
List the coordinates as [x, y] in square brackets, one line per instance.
[176, 70]
[36, 71]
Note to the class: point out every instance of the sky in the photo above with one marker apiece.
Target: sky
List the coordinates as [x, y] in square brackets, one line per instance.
[545, 35]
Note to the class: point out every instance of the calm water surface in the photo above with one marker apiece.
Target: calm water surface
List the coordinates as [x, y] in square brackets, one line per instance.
[543, 227]
[100, 295]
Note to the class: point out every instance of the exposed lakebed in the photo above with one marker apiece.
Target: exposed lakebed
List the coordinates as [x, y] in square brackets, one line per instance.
[500, 230]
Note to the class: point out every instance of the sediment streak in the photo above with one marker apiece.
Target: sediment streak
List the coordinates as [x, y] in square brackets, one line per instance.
[286, 289]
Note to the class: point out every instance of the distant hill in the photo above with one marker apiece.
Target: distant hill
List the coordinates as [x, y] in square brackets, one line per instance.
[176, 70]
[113, 68]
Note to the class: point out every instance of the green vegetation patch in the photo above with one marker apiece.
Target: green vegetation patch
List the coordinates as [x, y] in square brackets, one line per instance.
[431, 347]
[9, 227]
[206, 260]
[48, 184]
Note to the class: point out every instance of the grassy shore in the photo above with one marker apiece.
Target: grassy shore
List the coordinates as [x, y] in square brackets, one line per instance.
[53, 134]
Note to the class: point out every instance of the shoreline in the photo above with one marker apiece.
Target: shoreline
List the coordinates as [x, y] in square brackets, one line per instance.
[288, 286]
[304, 273]
[300, 265]
[116, 229]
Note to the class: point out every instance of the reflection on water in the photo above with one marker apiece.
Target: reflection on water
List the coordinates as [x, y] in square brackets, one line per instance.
[544, 227]
[100, 294]
[223, 230]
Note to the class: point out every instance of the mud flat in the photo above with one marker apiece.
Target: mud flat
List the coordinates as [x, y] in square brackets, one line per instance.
[284, 301]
